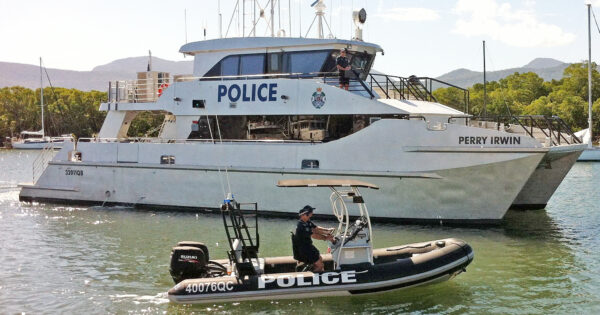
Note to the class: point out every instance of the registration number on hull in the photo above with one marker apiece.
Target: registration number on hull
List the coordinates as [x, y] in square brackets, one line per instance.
[70, 172]
[209, 287]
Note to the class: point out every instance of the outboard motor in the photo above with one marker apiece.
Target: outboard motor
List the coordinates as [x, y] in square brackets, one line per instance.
[189, 260]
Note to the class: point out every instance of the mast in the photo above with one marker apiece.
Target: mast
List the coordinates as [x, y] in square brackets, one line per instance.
[272, 18]
[220, 21]
[484, 85]
[42, 96]
[589, 5]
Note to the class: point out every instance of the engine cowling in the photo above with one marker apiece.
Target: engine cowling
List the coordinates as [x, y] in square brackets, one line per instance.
[188, 262]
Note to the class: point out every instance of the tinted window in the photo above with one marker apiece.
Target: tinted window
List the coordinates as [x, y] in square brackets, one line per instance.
[230, 65]
[274, 63]
[330, 63]
[361, 61]
[167, 159]
[253, 64]
[306, 62]
[215, 71]
[310, 164]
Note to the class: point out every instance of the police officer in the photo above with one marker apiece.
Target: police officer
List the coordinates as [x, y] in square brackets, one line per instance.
[304, 231]
[343, 65]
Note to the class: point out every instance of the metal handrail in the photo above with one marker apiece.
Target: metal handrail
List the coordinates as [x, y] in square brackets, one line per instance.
[556, 127]
[40, 161]
[160, 140]
[420, 88]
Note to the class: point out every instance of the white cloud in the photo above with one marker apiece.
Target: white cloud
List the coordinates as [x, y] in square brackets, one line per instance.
[501, 22]
[408, 14]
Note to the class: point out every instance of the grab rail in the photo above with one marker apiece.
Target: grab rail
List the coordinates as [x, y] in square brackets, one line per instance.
[41, 161]
[552, 127]
[396, 87]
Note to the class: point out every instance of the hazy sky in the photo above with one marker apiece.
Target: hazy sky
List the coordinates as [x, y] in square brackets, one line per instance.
[422, 37]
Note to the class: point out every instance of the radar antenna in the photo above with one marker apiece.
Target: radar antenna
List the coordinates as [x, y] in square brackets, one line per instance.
[319, 6]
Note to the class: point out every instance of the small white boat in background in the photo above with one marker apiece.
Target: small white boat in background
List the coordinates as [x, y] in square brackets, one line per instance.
[37, 140]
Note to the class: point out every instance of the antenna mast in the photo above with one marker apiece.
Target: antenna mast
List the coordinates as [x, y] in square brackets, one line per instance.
[220, 21]
[185, 23]
[272, 18]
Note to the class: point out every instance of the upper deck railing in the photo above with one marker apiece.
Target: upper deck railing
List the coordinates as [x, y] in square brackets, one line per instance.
[412, 88]
[550, 128]
[372, 86]
[137, 91]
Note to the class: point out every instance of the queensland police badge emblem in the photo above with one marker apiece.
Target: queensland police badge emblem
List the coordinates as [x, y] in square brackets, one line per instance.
[318, 98]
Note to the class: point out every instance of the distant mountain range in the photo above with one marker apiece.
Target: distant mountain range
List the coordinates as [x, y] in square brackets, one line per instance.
[12, 74]
[546, 68]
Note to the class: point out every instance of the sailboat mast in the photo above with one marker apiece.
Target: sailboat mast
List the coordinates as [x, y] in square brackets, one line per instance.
[484, 84]
[589, 5]
[42, 97]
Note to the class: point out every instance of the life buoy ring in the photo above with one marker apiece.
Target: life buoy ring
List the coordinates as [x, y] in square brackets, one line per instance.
[162, 87]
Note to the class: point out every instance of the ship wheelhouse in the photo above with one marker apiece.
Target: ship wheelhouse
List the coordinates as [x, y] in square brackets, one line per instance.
[268, 55]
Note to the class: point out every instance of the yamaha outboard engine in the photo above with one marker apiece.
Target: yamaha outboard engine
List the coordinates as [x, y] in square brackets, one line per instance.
[189, 260]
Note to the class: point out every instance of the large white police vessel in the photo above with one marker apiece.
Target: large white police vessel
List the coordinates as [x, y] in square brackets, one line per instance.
[263, 109]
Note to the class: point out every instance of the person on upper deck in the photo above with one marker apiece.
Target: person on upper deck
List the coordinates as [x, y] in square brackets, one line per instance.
[305, 229]
[343, 65]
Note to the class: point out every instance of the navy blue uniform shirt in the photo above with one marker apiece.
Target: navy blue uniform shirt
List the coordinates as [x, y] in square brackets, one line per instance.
[342, 62]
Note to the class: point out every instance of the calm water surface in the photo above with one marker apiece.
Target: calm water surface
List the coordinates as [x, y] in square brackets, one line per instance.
[63, 259]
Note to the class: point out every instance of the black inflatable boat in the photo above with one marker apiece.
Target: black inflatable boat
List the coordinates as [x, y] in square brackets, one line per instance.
[352, 267]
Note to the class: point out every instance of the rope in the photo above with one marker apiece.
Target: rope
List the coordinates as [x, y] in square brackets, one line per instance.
[212, 138]
[54, 125]
[595, 21]
[221, 140]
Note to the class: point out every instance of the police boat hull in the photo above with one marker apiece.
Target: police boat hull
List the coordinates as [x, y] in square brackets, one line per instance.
[393, 268]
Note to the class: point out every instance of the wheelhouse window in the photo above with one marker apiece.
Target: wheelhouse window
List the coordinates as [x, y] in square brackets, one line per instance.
[252, 64]
[289, 62]
[167, 159]
[361, 62]
[230, 65]
[275, 63]
[306, 61]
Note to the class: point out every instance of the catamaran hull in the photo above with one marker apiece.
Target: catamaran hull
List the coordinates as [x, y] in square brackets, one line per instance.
[434, 263]
[475, 194]
[547, 177]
